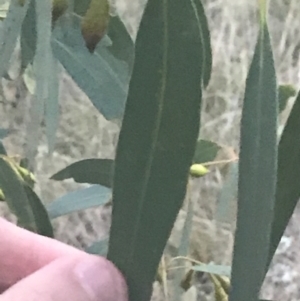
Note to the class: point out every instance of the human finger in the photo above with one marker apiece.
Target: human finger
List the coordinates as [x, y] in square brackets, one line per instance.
[23, 252]
[88, 278]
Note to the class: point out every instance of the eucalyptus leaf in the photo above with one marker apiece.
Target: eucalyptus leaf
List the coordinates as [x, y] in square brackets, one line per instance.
[257, 173]
[183, 250]
[285, 92]
[157, 141]
[101, 76]
[93, 196]
[10, 31]
[122, 44]
[206, 151]
[205, 36]
[42, 66]
[15, 195]
[41, 217]
[52, 103]
[29, 79]
[213, 269]
[22, 201]
[186, 231]
[28, 37]
[92, 171]
[288, 177]
[228, 195]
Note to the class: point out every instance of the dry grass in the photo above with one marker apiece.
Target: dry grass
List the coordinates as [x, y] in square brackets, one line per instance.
[233, 32]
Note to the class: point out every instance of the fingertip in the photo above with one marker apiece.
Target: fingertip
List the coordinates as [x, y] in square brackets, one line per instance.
[85, 278]
[101, 279]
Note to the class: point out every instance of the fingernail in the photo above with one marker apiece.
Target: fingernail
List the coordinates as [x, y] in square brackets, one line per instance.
[101, 280]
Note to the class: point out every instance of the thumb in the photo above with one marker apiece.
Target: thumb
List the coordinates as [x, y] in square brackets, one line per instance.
[85, 278]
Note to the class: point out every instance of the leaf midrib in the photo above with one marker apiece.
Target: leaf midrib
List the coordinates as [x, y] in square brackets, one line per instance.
[155, 132]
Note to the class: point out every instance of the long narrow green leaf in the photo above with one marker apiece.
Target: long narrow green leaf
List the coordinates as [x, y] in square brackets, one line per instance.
[122, 45]
[52, 103]
[28, 36]
[10, 31]
[228, 195]
[288, 177]
[205, 36]
[41, 65]
[222, 270]
[157, 141]
[186, 231]
[82, 199]
[29, 212]
[257, 173]
[15, 195]
[183, 250]
[41, 218]
[92, 171]
[101, 76]
[42, 60]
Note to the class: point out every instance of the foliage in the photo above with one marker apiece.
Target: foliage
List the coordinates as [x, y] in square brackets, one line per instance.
[16, 190]
[155, 87]
[257, 172]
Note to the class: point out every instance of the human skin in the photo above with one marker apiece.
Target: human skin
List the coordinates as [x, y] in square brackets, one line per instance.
[33, 267]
